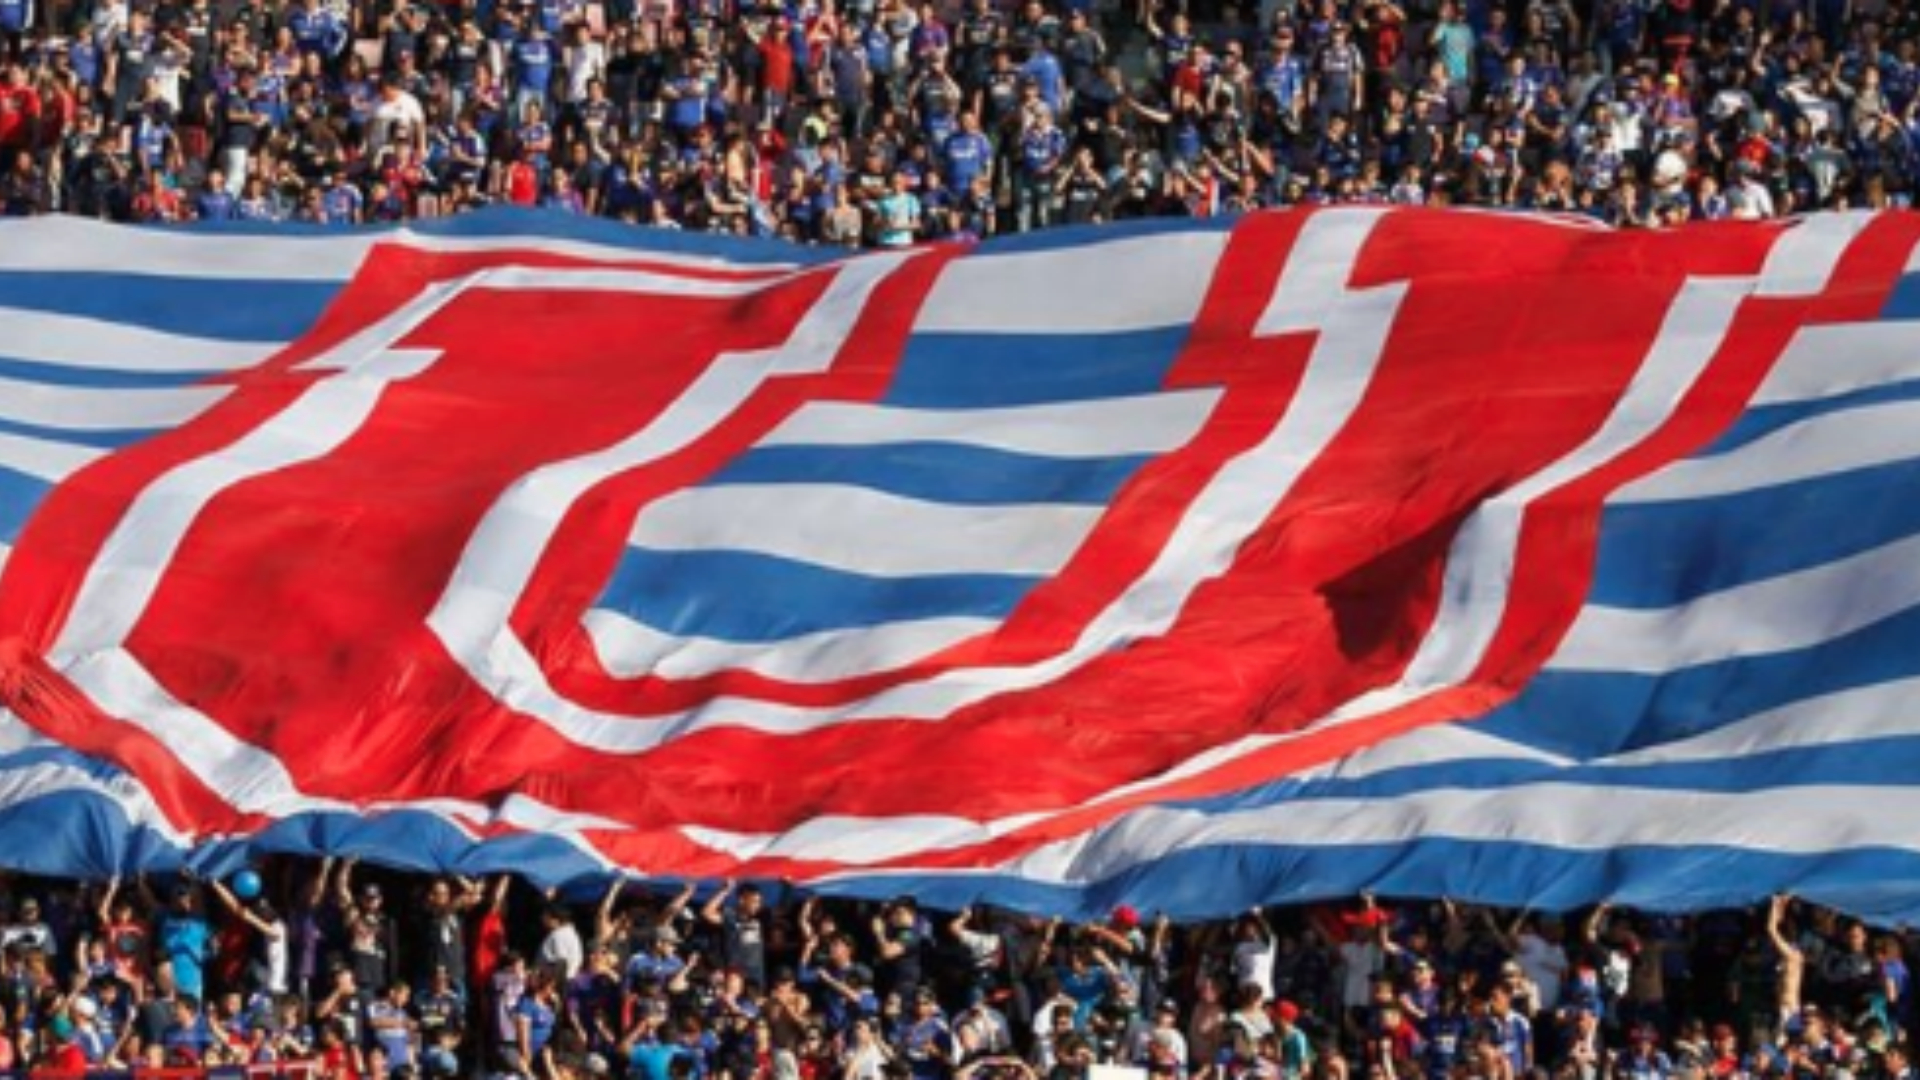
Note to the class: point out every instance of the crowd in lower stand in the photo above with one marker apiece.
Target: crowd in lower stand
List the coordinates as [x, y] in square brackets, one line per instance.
[348, 973]
[890, 122]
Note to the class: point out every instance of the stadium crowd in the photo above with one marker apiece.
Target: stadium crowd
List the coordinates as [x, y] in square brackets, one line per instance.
[349, 973]
[887, 122]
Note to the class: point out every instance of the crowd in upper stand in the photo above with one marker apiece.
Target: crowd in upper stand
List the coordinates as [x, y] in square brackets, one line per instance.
[890, 122]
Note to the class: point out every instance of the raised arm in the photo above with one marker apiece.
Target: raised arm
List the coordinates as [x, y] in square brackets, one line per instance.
[105, 910]
[714, 910]
[676, 905]
[1590, 929]
[603, 916]
[343, 887]
[1776, 912]
[246, 914]
[317, 888]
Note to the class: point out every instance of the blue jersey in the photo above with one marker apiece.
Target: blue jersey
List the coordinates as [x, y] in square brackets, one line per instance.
[1040, 150]
[533, 63]
[967, 156]
[215, 206]
[539, 1017]
[315, 31]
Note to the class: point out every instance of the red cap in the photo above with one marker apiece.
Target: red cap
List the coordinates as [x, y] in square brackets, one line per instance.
[1286, 1010]
[1125, 917]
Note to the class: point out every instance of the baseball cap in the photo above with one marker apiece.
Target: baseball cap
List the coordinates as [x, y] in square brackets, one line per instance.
[1126, 916]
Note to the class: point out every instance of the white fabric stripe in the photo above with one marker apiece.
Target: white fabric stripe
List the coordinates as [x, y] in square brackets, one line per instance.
[1316, 273]
[848, 841]
[1802, 261]
[1760, 618]
[862, 531]
[74, 341]
[1823, 445]
[59, 243]
[1234, 504]
[44, 460]
[74, 408]
[1804, 820]
[1110, 427]
[1092, 288]
[629, 649]
[1827, 361]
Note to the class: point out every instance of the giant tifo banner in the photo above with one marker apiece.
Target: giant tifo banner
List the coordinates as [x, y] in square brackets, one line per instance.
[1188, 564]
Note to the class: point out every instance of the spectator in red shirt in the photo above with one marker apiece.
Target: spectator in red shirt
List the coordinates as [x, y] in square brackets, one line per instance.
[19, 111]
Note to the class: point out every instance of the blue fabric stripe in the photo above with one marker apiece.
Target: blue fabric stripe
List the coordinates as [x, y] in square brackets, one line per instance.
[84, 834]
[746, 597]
[224, 310]
[105, 440]
[937, 472]
[1764, 420]
[972, 371]
[31, 371]
[1589, 714]
[1905, 301]
[1659, 554]
[20, 495]
[1220, 879]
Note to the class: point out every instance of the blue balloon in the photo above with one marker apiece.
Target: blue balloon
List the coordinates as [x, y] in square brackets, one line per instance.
[246, 885]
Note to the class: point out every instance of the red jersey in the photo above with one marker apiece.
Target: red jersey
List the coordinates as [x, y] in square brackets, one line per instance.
[776, 62]
[523, 184]
[19, 108]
